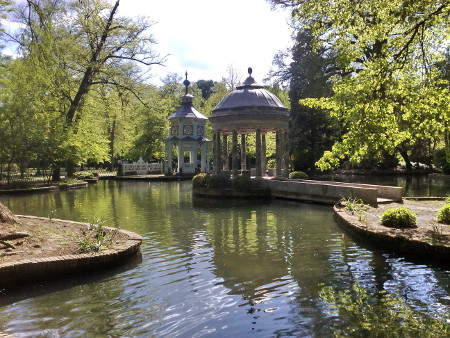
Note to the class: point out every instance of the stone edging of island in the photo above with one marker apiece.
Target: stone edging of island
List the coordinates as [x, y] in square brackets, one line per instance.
[395, 242]
[25, 271]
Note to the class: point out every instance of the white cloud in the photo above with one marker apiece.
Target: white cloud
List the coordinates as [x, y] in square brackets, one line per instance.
[205, 36]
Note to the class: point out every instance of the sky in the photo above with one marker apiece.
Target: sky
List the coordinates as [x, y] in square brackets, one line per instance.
[204, 37]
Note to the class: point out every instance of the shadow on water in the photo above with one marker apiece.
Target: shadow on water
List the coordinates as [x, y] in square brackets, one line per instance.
[58, 283]
[206, 202]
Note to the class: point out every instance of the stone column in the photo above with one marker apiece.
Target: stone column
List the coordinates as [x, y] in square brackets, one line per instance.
[234, 153]
[180, 157]
[279, 150]
[258, 153]
[286, 153]
[225, 153]
[168, 168]
[217, 165]
[214, 141]
[194, 156]
[263, 155]
[204, 151]
[243, 153]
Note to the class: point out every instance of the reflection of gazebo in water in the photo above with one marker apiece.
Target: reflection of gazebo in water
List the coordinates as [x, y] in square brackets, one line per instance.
[187, 132]
[250, 109]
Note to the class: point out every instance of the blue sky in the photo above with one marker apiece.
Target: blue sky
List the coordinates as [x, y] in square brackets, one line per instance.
[205, 36]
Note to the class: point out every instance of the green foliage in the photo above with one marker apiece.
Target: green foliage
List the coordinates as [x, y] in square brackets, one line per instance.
[69, 181]
[201, 180]
[242, 182]
[440, 160]
[219, 181]
[307, 71]
[443, 215]
[96, 237]
[298, 175]
[388, 92]
[384, 315]
[82, 175]
[399, 218]
[355, 205]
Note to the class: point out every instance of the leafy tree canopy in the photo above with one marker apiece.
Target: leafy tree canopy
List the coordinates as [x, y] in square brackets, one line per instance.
[388, 92]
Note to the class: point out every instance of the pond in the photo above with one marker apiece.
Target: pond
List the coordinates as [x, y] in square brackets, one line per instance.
[208, 268]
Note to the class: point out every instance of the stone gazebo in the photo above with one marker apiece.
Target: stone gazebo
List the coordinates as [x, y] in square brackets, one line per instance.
[187, 133]
[250, 109]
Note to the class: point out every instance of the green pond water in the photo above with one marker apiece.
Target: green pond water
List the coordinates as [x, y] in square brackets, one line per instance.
[208, 268]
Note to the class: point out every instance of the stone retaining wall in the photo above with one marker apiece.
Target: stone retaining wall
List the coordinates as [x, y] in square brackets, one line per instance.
[395, 242]
[26, 271]
[318, 191]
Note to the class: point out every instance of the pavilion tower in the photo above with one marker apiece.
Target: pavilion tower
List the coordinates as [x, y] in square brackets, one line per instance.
[187, 135]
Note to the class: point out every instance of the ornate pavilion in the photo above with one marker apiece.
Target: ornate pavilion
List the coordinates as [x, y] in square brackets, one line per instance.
[249, 109]
[187, 134]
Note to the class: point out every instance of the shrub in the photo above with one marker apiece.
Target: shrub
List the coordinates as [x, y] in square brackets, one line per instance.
[399, 218]
[354, 205]
[443, 215]
[82, 175]
[242, 182]
[219, 181]
[201, 180]
[298, 175]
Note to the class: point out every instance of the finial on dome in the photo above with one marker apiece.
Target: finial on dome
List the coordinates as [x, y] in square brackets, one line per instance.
[186, 82]
[250, 70]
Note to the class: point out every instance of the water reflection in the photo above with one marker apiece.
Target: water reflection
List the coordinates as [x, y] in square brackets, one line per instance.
[219, 268]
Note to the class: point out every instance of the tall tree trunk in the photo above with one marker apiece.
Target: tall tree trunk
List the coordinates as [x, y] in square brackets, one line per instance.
[83, 88]
[56, 174]
[70, 168]
[405, 156]
[6, 215]
[112, 136]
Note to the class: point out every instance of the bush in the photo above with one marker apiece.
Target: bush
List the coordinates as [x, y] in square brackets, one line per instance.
[443, 215]
[399, 218]
[201, 180]
[83, 175]
[242, 182]
[298, 175]
[219, 181]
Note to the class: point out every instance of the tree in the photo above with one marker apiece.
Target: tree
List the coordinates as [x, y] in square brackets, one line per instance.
[387, 94]
[82, 45]
[206, 86]
[233, 78]
[307, 74]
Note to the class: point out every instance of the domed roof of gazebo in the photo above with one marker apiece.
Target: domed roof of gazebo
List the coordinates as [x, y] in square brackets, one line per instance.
[250, 94]
[250, 107]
